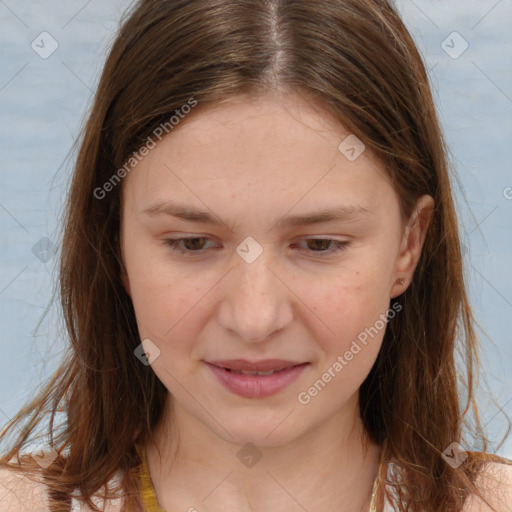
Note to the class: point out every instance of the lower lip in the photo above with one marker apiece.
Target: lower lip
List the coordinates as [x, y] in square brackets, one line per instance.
[257, 386]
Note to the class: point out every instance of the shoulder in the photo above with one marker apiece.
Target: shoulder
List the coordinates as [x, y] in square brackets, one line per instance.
[20, 493]
[495, 484]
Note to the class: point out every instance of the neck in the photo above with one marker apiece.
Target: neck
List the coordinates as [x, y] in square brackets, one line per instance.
[331, 467]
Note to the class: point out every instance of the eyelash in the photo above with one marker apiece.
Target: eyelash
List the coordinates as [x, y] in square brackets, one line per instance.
[172, 243]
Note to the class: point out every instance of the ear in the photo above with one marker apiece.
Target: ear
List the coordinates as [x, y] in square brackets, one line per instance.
[412, 242]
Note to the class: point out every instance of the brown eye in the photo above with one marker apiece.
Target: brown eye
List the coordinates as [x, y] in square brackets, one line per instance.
[325, 245]
[319, 244]
[189, 245]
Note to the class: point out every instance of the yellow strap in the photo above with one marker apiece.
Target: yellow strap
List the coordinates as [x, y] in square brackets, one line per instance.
[147, 490]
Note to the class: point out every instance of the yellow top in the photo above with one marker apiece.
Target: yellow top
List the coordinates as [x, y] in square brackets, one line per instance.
[148, 491]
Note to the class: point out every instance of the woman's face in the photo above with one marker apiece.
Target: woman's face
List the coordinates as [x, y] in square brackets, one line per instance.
[259, 279]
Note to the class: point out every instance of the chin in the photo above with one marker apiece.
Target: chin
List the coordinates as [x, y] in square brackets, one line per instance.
[264, 432]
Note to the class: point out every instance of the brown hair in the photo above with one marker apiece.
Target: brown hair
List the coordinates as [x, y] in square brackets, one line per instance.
[357, 60]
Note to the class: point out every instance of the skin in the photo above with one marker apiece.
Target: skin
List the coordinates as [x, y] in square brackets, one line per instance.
[250, 162]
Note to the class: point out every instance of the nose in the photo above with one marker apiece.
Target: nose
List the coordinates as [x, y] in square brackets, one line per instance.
[256, 303]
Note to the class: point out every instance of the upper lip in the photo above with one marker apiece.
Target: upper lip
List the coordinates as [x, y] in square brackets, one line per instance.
[255, 366]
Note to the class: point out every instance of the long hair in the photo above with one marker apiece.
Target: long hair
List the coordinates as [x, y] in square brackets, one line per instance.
[357, 60]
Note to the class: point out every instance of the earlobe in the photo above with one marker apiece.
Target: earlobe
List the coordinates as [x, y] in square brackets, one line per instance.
[412, 243]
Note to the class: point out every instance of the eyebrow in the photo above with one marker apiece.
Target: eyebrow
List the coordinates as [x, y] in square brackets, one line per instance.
[191, 214]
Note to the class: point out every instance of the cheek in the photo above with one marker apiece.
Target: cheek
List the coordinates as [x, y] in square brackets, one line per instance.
[349, 336]
[164, 298]
[347, 300]
[166, 310]
[169, 311]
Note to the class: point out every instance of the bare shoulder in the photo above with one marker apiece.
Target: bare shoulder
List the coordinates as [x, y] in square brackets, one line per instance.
[19, 493]
[495, 484]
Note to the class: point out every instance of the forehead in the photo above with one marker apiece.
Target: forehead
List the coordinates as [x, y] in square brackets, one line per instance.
[270, 150]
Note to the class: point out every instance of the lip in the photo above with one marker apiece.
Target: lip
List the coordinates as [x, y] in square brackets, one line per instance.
[257, 386]
[256, 366]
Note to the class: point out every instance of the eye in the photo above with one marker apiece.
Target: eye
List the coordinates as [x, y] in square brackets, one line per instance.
[320, 245]
[194, 246]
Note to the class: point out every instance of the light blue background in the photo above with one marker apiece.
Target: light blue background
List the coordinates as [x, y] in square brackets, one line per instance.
[43, 103]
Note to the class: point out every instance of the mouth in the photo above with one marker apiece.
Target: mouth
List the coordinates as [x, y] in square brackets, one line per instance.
[264, 367]
[250, 372]
[256, 379]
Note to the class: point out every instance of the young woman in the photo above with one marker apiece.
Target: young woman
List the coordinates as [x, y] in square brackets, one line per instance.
[261, 278]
